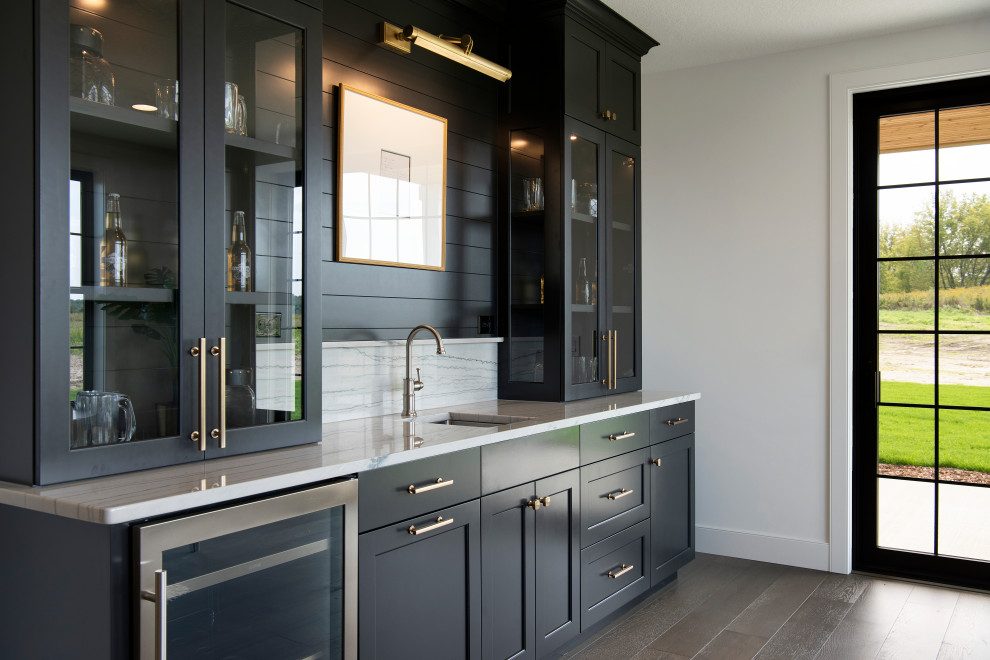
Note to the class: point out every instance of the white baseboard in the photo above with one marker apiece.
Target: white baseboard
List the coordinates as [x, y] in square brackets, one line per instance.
[762, 547]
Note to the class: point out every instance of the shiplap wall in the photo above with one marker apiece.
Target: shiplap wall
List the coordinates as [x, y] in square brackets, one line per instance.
[379, 302]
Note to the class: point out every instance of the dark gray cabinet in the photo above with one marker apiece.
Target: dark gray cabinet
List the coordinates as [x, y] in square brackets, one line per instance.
[195, 366]
[530, 568]
[672, 486]
[419, 587]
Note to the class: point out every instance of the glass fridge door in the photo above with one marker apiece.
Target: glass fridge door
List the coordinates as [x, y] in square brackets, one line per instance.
[269, 579]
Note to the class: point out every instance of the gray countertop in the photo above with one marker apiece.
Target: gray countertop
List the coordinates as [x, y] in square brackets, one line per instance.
[347, 447]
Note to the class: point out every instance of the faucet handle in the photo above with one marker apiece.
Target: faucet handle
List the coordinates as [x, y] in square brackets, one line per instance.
[417, 384]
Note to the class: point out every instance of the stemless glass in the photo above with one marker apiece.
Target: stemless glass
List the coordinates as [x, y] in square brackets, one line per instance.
[230, 107]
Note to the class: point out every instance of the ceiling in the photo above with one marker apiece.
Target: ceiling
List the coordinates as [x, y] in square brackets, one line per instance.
[696, 32]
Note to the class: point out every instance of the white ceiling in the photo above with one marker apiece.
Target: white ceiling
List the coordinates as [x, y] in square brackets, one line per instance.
[696, 32]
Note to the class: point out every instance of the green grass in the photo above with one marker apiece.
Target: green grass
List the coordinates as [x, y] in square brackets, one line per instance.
[949, 318]
[907, 435]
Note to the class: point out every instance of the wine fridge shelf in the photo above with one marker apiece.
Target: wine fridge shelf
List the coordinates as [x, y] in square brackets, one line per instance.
[123, 124]
[124, 294]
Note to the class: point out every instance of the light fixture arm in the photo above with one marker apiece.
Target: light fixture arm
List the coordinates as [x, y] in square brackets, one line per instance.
[458, 49]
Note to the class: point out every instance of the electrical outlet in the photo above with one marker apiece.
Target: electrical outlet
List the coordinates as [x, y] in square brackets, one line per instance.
[486, 325]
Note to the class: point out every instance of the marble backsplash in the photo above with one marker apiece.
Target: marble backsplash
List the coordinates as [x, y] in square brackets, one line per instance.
[364, 378]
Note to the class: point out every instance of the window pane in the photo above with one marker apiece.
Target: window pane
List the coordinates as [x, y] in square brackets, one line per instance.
[906, 218]
[906, 441]
[907, 368]
[964, 521]
[964, 218]
[964, 143]
[906, 149]
[964, 370]
[964, 294]
[907, 295]
[906, 515]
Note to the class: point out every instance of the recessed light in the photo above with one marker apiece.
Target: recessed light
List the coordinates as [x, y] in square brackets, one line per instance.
[573, 137]
[144, 107]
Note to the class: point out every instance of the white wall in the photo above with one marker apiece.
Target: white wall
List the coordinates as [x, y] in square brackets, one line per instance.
[736, 280]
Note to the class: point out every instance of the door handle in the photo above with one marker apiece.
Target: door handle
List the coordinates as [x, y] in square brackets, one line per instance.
[623, 569]
[199, 435]
[619, 494]
[220, 351]
[439, 483]
[441, 522]
[622, 436]
[160, 598]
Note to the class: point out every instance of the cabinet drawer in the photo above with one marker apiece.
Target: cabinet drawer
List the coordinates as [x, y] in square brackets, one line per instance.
[611, 437]
[673, 421]
[614, 495]
[613, 572]
[412, 489]
[514, 462]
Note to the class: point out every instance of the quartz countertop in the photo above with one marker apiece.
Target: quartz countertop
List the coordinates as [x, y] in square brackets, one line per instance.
[347, 447]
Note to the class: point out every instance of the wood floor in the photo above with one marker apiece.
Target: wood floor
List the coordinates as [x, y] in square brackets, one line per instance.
[726, 608]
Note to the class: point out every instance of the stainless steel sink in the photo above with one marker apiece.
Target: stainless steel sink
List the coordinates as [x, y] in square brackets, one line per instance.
[476, 419]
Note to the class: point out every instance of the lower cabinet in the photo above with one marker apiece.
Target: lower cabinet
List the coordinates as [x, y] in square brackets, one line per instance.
[672, 506]
[530, 568]
[419, 593]
[613, 572]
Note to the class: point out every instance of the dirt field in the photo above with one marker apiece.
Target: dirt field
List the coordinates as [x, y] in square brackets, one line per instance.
[963, 359]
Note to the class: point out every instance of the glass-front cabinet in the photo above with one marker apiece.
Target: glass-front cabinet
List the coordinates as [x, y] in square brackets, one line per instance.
[175, 201]
[573, 266]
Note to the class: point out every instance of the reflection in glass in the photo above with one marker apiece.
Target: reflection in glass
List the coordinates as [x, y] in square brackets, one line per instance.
[963, 296]
[964, 370]
[907, 368]
[907, 295]
[906, 515]
[622, 260]
[964, 143]
[964, 521]
[585, 335]
[263, 222]
[906, 149]
[906, 219]
[964, 218]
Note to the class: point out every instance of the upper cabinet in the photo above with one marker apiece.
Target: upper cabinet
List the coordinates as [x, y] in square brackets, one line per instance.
[601, 82]
[570, 264]
[178, 208]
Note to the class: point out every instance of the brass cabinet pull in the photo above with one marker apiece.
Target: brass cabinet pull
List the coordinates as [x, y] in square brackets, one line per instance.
[220, 434]
[622, 436]
[545, 500]
[441, 522]
[656, 461]
[607, 338]
[615, 359]
[608, 115]
[534, 504]
[679, 420]
[623, 569]
[620, 494]
[160, 599]
[439, 483]
[199, 435]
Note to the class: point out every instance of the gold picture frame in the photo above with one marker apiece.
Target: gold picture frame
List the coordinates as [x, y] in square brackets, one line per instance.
[391, 183]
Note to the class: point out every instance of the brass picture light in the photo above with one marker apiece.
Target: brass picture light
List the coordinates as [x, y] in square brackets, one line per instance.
[453, 48]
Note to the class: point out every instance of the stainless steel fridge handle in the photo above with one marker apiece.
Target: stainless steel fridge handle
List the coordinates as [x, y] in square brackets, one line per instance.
[160, 598]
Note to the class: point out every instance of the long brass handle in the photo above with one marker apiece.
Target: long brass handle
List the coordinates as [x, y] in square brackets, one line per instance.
[623, 569]
[160, 599]
[441, 522]
[220, 351]
[615, 359]
[620, 494]
[199, 435]
[607, 338]
[621, 436]
[439, 483]
[679, 420]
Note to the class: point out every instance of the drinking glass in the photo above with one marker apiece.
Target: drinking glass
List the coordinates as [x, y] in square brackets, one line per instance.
[230, 107]
[241, 118]
[167, 98]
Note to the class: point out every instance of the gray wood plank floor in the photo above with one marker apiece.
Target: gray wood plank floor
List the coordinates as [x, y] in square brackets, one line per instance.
[727, 609]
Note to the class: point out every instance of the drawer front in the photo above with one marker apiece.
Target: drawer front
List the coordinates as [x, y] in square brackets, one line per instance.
[614, 495]
[514, 462]
[613, 572]
[611, 437]
[672, 421]
[411, 489]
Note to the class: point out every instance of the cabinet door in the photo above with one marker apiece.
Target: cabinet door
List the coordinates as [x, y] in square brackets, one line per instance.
[507, 548]
[621, 95]
[672, 510]
[584, 231]
[624, 318]
[262, 116]
[557, 561]
[420, 594]
[120, 200]
[584, 66]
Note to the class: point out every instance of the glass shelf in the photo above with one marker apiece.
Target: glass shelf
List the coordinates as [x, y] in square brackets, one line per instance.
[260, 152]
[124, 294]
[122, 124]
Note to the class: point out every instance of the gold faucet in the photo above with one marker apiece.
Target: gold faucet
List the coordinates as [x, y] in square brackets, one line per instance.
[410, 386]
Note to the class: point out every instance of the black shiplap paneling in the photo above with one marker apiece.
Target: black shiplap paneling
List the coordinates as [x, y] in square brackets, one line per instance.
[362, 301]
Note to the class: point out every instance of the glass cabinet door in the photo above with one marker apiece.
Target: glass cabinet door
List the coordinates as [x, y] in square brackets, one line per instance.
[583, 151]
[623, 319]
[110, 228]
[527, 259]
[256, 241]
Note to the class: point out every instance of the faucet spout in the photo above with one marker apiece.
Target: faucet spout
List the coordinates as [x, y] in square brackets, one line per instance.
[410, 386]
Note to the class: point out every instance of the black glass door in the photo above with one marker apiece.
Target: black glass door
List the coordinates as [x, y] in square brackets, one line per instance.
[922, 323]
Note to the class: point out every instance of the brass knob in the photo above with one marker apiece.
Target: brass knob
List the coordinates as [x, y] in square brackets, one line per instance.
[215, 433]
[656, 461]
[534, 505]
[215, 350]
[194, 351]
[194, 436]
[545, 500]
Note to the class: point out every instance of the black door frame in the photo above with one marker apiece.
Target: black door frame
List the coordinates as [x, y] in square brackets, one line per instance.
[867, 109]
